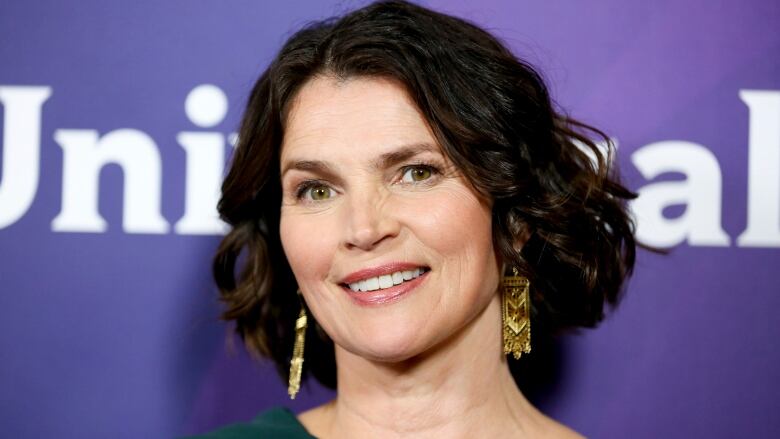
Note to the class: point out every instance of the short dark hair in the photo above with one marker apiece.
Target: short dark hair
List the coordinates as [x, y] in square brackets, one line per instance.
[492, 116]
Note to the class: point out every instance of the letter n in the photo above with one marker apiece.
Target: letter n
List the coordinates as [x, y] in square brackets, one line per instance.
[85, 154]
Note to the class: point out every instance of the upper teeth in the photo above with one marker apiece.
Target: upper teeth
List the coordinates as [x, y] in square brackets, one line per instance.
[385, 281]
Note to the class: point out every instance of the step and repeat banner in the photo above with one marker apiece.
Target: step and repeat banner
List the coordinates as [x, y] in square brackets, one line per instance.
[118, 118]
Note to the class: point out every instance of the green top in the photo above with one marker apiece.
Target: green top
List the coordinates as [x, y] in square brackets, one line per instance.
[276, 423]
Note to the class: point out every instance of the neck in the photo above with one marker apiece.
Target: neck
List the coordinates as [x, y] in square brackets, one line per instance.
[462, 388]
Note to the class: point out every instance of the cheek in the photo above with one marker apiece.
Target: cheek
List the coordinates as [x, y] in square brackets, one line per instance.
[307, 246]
[458, 228]
[456, 223]
[310, 242]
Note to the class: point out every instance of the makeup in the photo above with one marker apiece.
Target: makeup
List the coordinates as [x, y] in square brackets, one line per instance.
[388, 295]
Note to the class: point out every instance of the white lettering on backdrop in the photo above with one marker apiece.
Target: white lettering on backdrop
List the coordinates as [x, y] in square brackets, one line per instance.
[206, 106]
[21, 149]
[86, 153]
[763, 228]
[700, 192]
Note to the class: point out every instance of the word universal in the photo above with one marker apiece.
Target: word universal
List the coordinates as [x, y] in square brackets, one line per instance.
[85, 152]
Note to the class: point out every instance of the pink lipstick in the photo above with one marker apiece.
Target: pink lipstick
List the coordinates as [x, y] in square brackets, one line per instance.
[391, 293]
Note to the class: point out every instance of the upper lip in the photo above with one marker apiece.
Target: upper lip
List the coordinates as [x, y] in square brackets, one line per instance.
[379, 270]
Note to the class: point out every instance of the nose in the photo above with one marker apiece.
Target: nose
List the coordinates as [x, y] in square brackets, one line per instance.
[370, 220]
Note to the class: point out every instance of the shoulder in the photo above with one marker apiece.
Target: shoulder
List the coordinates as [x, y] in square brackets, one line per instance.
[275, 423]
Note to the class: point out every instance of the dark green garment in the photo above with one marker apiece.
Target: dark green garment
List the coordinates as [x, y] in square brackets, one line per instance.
[276, 423]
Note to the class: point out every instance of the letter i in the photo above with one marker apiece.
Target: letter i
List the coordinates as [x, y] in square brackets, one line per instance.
[206, 106]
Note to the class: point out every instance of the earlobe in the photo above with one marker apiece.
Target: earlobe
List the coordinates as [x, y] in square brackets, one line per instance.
[520, 232]
[519, 242]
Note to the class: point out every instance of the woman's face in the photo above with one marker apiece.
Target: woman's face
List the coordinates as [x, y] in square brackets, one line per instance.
[370, 201]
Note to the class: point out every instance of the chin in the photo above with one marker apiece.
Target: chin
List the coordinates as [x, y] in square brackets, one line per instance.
[392, 343]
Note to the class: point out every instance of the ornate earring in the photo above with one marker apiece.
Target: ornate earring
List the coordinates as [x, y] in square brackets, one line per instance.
[296, 364]
[516, 314]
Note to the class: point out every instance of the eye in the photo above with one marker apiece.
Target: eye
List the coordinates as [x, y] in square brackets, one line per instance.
[417, 173]
[314, 191]
[320, 193]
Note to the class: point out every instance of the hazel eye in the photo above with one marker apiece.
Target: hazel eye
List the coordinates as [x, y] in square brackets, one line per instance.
[313, 190]
[319, 192]
[414, 174]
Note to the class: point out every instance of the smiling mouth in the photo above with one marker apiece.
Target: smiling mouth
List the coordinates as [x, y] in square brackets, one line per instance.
[386, 281]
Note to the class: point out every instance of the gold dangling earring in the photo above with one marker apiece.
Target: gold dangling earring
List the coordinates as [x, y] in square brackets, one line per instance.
[516, 314]
[296, 364]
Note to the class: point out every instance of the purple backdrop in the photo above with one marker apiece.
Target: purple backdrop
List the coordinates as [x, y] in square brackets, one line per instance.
[108, 317]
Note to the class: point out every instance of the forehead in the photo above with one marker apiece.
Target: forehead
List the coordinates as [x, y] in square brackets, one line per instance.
[355, 115]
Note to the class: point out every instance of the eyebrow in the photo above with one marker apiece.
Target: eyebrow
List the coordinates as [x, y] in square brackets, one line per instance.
[386, 160]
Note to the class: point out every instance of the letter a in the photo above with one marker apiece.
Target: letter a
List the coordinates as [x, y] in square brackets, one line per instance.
[700, 192]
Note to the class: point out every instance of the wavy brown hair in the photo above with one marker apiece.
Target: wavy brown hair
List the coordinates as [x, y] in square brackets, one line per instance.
[492, 115]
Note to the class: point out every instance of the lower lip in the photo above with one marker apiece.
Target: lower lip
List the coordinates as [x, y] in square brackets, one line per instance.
[386, 295]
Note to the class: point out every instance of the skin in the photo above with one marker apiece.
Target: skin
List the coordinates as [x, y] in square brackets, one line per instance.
[430, 363]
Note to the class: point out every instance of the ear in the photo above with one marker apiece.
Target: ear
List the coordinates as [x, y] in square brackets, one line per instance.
[520, 231]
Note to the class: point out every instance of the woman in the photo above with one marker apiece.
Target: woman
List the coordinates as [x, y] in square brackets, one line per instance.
[407, 207]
